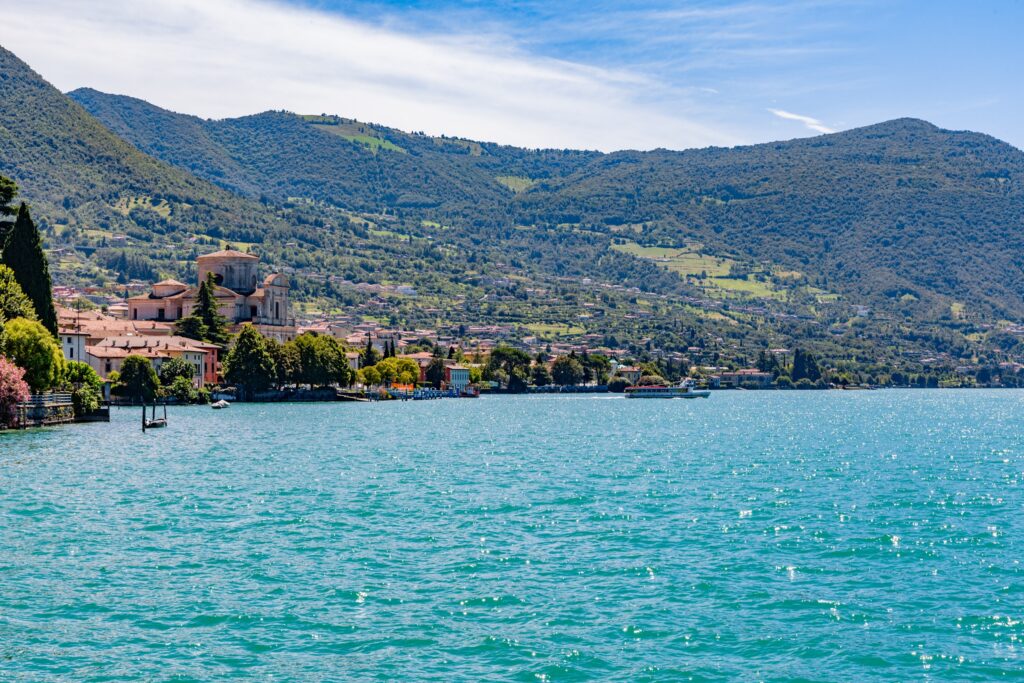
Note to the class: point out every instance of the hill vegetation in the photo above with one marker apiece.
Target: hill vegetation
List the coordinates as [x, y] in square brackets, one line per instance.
[877, 247]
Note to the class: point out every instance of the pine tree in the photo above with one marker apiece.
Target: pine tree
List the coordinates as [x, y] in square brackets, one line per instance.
[208, 311]
[23, 253]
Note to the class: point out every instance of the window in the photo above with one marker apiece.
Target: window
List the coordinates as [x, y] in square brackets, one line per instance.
[71, 352]
[277, 310]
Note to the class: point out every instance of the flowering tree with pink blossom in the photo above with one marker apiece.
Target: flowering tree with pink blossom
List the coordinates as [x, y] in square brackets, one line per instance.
[13, 390]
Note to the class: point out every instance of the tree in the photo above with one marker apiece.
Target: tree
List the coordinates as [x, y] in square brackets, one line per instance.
[138, 378]
[370, 355]
[13, 301]
[286, 361]
[514, 365]
[175, 368]
[208, 312]
[600, 366]
[86, 387]
[30, 346]
[13, 388]
[23, 253]
[435, 373]
[401, 370]
[540, 375]
[192, 327]
[804, 367]
[567, 371]
[8, 190]
[370, 376]
[183, 389]
[250, 363]
[321, 361]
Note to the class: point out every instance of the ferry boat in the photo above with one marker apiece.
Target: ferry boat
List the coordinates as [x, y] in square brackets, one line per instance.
[684, 389]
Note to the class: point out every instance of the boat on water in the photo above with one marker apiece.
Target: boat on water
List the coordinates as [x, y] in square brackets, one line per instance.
[220, 405]
[153, 422]
[685, 389]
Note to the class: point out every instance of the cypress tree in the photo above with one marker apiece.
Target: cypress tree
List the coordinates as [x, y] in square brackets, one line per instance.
[207, 311]
[7, 192]
[23, 253]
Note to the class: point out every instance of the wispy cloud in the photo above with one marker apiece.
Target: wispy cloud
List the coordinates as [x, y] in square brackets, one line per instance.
[219, 58]
[809, 121]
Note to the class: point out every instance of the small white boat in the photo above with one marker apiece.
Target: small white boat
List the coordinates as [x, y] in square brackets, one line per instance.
[219, 405]
[684, 389]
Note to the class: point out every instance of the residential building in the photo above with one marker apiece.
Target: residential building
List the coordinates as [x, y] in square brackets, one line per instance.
[456, 377]
[748, 376]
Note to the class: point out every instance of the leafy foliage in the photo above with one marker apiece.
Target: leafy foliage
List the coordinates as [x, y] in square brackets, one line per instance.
[31, 346]
[13, 301]
[86, 387]
[250, 362]
[138, 379]
[174, 368]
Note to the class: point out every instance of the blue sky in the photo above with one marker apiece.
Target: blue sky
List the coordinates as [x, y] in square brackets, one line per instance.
[593, 74]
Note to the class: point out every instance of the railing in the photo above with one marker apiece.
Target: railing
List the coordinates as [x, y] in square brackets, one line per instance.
[57, 398]
[45, 409]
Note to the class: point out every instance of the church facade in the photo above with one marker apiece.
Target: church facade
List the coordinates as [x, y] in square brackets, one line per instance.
[241, 296]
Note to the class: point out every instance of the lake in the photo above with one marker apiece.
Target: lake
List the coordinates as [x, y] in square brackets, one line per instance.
[753, 535]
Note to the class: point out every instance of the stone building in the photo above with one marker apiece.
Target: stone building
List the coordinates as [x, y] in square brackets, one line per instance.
[241, 296]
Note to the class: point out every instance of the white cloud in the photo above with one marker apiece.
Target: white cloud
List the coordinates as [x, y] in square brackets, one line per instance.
[808, 121]
[222, 58]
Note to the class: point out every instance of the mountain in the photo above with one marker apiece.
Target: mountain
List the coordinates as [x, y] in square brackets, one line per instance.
[893, 211]
[77, 174]
[327, 158]
[901, 215]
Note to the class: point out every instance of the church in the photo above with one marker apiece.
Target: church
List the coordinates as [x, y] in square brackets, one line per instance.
[241, 296]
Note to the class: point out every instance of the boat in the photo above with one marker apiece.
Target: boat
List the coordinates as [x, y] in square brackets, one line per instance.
[154, 422]
[685, 389]
[220, 405]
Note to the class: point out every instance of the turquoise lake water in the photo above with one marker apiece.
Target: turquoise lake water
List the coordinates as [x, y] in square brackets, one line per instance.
[845, 536]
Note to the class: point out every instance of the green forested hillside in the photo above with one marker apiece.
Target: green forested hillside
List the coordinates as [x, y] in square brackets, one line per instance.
[896, 245]
[339, 161]
[896, 211]
[80, 175]
[900, 215]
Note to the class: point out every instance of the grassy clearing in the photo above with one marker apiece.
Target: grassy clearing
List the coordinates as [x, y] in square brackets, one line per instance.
[690, 262]
[957, 310]
[749, 287]
[237, 246]
[552, 330]
[125, 205]
[355, 132]
[516, 183]
[686, 260]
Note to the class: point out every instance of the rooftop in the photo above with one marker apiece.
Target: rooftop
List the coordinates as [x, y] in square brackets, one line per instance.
[228, 253]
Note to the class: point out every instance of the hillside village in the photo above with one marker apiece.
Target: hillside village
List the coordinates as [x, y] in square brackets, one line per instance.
[103, 332]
